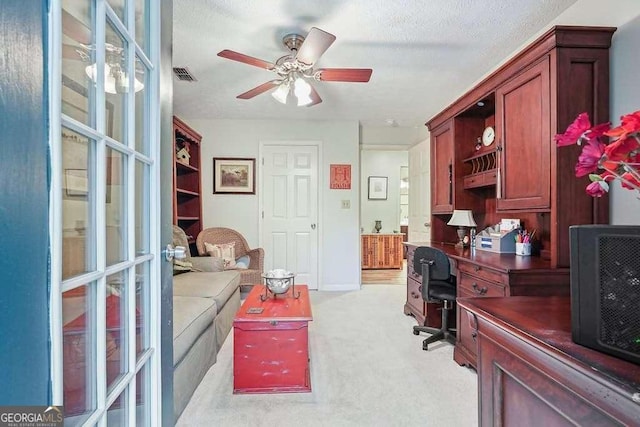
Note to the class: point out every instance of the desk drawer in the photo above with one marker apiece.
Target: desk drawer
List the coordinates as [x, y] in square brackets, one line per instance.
[481, 272]
[410, 271]
[414, 296]
[478, 287]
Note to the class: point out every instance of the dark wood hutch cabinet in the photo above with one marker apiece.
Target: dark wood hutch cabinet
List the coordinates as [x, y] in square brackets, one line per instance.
[522, 174]
[187, 195]
[535, 95]
[442, 167]
[523, 139]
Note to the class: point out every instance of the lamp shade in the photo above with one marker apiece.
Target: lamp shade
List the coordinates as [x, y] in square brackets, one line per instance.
[463, 218]
[115, 80]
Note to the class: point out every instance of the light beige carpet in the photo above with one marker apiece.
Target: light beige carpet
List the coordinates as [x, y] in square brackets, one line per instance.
[367, 369]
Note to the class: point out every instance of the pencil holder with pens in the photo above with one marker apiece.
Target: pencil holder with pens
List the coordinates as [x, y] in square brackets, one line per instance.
[523, 242]
[523, 249]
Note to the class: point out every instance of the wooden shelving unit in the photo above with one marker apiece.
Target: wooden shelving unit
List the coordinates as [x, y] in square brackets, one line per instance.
[481, 170]
[187, 199]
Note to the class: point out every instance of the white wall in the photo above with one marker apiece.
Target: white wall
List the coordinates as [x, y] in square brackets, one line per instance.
[339, 228]
[391, 136]
[625, 98]
[381, 163]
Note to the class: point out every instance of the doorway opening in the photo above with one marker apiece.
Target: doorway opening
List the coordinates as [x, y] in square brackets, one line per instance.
[384, 216]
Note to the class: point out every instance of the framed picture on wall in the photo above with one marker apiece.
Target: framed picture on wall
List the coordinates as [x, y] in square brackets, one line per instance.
[234, 176]
[378, 188]
[340, 177]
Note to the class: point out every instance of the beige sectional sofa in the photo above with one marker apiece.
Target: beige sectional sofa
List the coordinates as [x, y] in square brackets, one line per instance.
[205, 301]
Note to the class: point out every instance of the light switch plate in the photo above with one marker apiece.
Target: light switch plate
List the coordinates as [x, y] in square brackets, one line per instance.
[346, 204]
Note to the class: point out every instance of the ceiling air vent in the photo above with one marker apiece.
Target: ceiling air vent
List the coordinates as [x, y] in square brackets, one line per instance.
[183, 73]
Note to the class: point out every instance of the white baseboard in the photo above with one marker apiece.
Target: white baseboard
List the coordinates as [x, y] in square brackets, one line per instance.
[340, 287]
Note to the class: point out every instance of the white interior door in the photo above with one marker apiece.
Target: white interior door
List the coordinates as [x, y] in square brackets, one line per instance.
[289, 191]
[419, 193]
[105, 267]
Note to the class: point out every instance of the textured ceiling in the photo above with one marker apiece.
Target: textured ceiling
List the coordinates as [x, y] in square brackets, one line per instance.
[424, 54]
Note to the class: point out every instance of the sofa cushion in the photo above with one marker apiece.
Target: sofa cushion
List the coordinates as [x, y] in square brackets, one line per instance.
[219, 286]
[191, 316]
[207, 263]
[226, 251]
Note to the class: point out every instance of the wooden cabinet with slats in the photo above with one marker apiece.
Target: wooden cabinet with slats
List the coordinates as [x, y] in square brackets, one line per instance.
[382, 251]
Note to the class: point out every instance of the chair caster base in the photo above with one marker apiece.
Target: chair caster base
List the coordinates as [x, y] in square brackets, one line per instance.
[416, 332]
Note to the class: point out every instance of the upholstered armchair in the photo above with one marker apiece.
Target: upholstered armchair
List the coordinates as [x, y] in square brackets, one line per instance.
[220, 236]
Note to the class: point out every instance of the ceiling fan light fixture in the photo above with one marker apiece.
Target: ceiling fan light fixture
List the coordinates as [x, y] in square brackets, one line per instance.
[302, 90]
[115, 80]
[304, 100]
[281, 93]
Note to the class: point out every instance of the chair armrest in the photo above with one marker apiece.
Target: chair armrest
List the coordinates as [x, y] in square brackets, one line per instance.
[256, 257]
[207, 264]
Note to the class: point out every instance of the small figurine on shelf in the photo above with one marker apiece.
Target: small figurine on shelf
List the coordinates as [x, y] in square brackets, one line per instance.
[378, 226]
[479, 144]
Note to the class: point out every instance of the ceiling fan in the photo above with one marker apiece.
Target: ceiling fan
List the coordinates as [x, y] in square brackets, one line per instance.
[295, 68]
[116, 80]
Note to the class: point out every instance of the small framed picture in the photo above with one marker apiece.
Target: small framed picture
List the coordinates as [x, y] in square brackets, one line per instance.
[234, 176]
[377, 188]
[340, 177]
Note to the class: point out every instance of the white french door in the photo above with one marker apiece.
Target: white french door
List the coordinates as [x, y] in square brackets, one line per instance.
[289, 198]
[419, 193]
[105, 211]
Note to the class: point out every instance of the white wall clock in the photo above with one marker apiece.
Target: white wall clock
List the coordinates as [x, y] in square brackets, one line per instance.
[488, 136]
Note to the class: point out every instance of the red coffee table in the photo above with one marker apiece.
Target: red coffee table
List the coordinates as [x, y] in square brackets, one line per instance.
[271, 343]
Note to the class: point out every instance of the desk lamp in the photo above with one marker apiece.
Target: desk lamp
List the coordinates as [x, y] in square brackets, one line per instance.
[463, 219]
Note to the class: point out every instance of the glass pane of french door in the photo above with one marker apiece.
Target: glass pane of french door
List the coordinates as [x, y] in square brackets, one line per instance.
[107, 160]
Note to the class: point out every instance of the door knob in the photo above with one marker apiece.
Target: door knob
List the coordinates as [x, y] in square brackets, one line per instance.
[313, 226]
[427, 224]
[178, 252]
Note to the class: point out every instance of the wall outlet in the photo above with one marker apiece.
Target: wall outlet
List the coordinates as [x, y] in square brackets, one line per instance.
[346, 204]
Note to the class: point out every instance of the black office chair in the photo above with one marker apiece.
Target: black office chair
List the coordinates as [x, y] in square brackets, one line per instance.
[438, 285]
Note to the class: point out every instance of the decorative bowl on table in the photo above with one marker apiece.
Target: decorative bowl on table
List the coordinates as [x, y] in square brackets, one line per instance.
[278, 281]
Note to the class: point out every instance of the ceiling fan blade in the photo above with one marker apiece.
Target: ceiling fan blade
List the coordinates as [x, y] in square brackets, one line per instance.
[259, 89]
[71, 52]
[358, 75]
[246, 59]
[315, 98]
[75, 29]
[315, 44]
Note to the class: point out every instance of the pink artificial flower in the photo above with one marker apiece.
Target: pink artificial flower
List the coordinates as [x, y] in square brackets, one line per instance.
[621, 148]
[597, 188]
[589, 158]
[574, 132]
[619, 158]
[630, 181]
[597, 131]
[629, 124]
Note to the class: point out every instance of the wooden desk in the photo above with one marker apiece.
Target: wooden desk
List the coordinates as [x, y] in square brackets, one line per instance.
[271, 343]
[482, 274]
[530, 373]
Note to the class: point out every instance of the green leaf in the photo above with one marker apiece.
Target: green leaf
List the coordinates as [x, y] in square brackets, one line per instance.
[595, 177]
